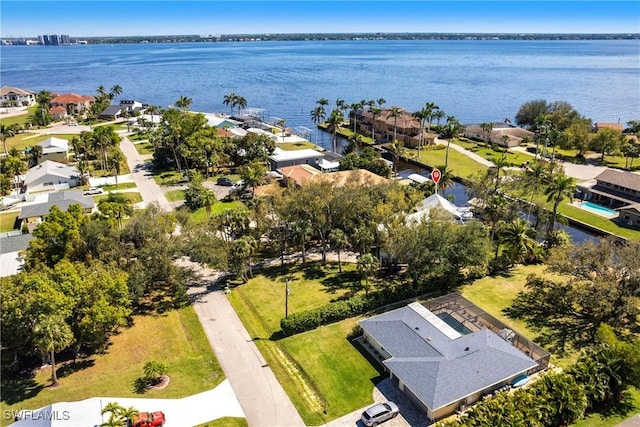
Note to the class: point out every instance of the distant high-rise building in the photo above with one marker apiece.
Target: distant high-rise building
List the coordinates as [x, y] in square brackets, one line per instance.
[54, 39]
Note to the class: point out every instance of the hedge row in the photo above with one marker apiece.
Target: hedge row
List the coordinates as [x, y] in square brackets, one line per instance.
[354, 306]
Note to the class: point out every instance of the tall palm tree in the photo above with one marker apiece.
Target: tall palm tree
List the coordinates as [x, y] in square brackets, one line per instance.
[354, 109]
[375, 112]
[430, 107]
[116, 90]
[446, 178]
[500, 163]
[341, 105]
[560, 188]
[451, 131]
[535, 176]
[241, 103]
[43, 98]
[317, 116]
[116, 164]
[229, 99]
[322, 102]
[367, 266]
[439, 115]
[381, 102]
[339, 241]
[395, 112]
[5, 133]
[396, 150]
[334, 121]
[52, 334]
[184, 102]
[487, 128]
[302, 229]
[421, 115]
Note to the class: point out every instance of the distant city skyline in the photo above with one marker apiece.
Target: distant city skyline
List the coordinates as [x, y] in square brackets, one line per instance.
[27, 18]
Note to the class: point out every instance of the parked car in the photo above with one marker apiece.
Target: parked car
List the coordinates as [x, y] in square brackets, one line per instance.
[238, 186]
[93, 190]
[380, 413]
[224, 181]
[147, 419]
[533, 150]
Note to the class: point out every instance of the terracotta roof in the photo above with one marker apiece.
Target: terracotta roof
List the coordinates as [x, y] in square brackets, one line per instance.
[628, 180]
[299, 173]
[614, 126]
[58, 110]
[5, 90]
[358, 177]
[225, 133]
[71, 98]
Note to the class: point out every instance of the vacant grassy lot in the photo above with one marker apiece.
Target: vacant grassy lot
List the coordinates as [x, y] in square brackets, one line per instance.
[20, 119]
[201, 214]
[459, 164]
[178, 340]
[514, 158]
[319, 369]
[290, 146]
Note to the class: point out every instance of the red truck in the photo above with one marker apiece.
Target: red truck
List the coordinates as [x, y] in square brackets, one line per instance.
[147, 419]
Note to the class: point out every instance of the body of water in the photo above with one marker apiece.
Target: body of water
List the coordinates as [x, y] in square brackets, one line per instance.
[476, 81]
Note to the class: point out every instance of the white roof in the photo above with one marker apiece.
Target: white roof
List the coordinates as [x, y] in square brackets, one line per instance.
[54, 145]
[325, 164]
[49, 167]
[280, 155]
[215, 120]
[420, 179]
[437, 201]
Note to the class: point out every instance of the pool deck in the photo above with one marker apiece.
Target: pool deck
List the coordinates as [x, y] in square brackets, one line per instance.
[595, 211]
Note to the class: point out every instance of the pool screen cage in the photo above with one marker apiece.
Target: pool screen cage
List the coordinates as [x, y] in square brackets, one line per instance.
[473, 318]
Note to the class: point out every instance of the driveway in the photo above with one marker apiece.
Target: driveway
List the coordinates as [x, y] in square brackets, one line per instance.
[384, 391]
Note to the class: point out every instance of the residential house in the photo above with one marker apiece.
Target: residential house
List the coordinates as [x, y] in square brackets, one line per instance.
[436, 201]
[355, 177]
[49, 175]
[604, 125]
[613, 188]
[73, 103]
[55, 149]
[16, 97]
[112, 112]
[33, 214]
[405, 127]
[514, 134]
[281, 158]
[297, 174]
[11, 247]
[629, 215]
[449, 354]
[130, 105]
[58, 113]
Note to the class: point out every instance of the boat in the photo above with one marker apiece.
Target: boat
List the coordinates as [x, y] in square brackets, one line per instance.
[520, 381]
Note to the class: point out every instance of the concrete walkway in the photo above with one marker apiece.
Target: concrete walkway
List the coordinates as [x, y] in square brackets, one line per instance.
[261, 396]
[466, 152]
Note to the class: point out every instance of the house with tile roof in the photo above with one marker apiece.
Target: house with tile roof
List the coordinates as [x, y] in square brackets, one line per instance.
[406, 127]
[73, 103]
[613, 188]
[16, 97]
[514, 134]
[49, 175]
[54, 149]
[440, 367]
[33, 214]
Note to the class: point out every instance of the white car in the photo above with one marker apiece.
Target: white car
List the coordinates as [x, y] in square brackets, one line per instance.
[93, 190]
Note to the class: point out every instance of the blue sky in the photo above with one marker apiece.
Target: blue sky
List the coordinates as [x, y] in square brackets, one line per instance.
[99, 18]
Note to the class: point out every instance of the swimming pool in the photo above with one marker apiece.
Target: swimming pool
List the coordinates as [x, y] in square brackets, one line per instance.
[598, 209]
[451, 321]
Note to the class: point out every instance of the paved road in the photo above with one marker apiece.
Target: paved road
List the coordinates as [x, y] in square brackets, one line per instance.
[261, 396]
[149, 190]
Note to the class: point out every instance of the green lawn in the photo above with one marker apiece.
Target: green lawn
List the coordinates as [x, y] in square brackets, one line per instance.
[201, 214]
[514, 158]
[19, 119]
[291, 146]
[226, 422]
[459, 164]
[169, 178]
[598, 221]
[178, 340]
[144, 148]
[174, 195]
[320, 369]
[29, 139]
[7, 221]
[600, 420]
[121, 186]
[134, 196]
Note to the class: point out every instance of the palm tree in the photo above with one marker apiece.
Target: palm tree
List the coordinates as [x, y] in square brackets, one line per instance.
[519, 239]
[500, 164]
[446, 178]
[317, 116]
[52, 334]
[116, 90]
[322, 102]
[341, 105]
[5, 133]
[560, 187]
[367, 266]
[354, 109]
[395, 112]
[116, 165]
[184, 102]
[335, 121]
[421, 115]
[396, 151]
[487, 128]
[153, 370]
[339, 240]
[101, 91]
[535, 176]
[451, 131]
[381, 102]
[430, 107]
[439, 115]
[241, 102]
[253, 175]
[229, 99]
[43, 98]
[83, 168]
[302, 228]
[375, 112]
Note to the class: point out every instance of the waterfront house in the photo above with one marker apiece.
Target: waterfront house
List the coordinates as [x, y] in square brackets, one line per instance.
[112, 112]
[73, 103]
[629, 215]
[55, 149]
[407, 128]
[281, 158]
[33, 214]
[58, 113]
[436, 201]
[613, 188]
[446, 353]
[514, 134]
[49, 175]
[603, 125]
[16, 97]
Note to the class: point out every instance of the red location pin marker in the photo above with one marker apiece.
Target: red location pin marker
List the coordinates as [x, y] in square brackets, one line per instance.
[436, 175]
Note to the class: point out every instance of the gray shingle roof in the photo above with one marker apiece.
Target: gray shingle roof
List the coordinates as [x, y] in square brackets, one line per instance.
[436, 365]
[624, 179]
[15, 243]
[62, 199]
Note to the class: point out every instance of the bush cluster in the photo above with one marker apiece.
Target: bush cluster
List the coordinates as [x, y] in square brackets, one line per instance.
[354, 306]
